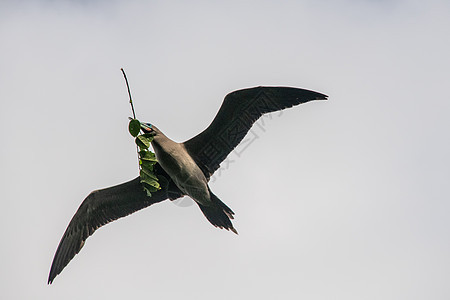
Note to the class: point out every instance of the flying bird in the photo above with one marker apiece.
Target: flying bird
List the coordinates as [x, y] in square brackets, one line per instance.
[183, 169]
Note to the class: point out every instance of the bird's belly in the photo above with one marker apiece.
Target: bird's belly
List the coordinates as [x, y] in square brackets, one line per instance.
[193, 187]
[186, 175]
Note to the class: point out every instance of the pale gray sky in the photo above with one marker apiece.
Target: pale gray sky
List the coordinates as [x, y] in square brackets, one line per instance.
[345, 199]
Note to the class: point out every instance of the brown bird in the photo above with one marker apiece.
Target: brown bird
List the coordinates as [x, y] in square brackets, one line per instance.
[182, 168]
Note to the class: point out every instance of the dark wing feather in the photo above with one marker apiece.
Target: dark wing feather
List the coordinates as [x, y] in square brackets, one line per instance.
[100, 208]
[239, 110]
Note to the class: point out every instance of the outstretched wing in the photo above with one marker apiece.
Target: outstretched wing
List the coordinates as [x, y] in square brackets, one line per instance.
[238, 112]
[100, 208]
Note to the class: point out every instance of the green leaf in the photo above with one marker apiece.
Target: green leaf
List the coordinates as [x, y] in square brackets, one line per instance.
[147, 155]
[149, 136]
[148, 175]
[142, 142]
[146, 189]
[154, 184]
[151, 186]
[149, 180]
[134, 127]
[147, 165]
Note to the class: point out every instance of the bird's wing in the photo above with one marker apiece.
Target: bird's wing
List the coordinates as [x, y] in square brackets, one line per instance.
[239, 110]
[101, 207]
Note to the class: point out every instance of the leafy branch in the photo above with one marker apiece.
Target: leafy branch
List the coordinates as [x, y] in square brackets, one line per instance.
[147, 159]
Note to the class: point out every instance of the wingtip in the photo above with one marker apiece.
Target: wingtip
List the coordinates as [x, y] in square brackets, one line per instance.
[51, 277]
[321, 96]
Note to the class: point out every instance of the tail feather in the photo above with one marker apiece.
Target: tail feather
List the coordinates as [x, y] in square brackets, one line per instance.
[218, 213]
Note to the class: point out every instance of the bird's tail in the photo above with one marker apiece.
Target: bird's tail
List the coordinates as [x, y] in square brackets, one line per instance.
[218, 213]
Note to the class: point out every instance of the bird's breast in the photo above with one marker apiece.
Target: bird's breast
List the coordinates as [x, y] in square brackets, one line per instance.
[184, 172]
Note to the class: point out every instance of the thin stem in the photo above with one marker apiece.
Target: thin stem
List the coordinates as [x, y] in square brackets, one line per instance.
[134, 114]
[129, 93]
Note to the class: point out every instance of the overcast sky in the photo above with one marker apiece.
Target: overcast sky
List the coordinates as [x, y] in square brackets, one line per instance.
[344, 199]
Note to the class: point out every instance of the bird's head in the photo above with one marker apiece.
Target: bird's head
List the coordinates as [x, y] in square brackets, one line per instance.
[150, 128]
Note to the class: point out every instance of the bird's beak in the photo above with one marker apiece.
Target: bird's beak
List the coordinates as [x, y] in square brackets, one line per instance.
[146, 127]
